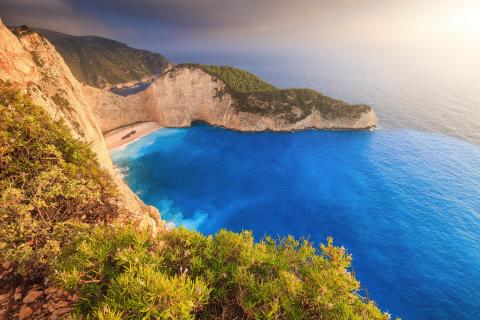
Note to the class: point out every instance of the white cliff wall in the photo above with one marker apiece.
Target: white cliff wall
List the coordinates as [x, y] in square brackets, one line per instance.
[113, 111]
[184, 95]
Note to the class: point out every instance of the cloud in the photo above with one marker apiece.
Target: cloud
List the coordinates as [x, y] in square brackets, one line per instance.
[187, 16]
[166, 25]
[58, 15]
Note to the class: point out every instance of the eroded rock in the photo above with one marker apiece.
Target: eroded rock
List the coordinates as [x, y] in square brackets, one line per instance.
[31, 296]
[25, 313]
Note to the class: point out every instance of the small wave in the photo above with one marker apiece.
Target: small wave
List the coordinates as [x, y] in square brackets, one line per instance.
[176, 218]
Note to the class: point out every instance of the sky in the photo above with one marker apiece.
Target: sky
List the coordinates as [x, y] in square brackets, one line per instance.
[172, 26]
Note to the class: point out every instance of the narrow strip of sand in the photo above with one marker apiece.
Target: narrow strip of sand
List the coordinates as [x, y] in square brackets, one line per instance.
[121, 136]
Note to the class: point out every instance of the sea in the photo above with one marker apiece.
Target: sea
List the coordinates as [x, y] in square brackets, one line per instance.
[404, 199]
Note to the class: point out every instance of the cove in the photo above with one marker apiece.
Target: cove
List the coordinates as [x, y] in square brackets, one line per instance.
[405, 203]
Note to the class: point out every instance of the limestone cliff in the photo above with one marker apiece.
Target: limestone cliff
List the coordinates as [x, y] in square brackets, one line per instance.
[31, 62]
[113, 111]
[189, 93]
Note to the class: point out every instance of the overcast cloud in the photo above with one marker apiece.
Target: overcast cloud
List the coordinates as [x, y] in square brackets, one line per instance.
[169, 25]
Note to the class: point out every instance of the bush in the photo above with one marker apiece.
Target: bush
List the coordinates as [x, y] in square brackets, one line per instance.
[182, 274]
[49, 183]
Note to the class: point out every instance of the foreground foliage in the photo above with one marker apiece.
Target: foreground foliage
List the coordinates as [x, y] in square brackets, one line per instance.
[184, 275]
[55, 199]
[48, 180]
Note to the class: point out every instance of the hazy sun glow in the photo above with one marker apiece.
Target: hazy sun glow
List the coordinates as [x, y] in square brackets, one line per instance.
[465, 20]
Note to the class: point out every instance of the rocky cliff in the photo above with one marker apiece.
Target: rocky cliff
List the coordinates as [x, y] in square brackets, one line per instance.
[188, 93]
[31, 63]
[222, 96]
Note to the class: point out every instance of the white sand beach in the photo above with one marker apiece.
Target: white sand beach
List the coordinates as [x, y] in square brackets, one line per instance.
[124, 135]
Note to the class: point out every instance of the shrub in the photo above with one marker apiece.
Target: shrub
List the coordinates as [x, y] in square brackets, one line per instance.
[115, 269]
[182, 274]
[49, 182]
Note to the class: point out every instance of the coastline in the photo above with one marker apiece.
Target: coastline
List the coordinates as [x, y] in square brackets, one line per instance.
[116, 138]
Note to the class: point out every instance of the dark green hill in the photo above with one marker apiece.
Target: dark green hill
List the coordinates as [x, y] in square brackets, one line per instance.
[102, 62]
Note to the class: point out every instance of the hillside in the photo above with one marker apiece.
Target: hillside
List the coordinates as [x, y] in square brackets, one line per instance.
[236, 79]
[102, 62]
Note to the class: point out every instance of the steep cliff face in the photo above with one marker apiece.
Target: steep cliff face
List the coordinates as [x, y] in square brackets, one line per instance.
[188, 93]
[185, 95]
[113, 111]
[30, 62]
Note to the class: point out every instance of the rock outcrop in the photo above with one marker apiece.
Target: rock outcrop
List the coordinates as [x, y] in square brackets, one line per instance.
[185, 94]
[31, 63]
[32, 301]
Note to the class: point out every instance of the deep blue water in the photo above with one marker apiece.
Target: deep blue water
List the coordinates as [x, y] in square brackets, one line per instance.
[405, 203]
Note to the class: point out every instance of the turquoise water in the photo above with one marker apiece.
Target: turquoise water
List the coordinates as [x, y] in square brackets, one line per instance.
[405, 203]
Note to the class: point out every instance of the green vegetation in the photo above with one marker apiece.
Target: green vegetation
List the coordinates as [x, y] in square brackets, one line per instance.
[184, 275]
[296, 104]
[254, 95]
[238, 80]
[48, 180]
[56, 204]
[101, 62]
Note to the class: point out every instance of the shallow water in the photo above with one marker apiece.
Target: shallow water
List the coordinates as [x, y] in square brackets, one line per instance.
[405, 203]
